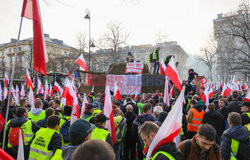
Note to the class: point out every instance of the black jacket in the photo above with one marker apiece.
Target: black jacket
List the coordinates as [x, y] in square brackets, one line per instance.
[240, 134]
[130, 116]
[234, 106]
[169, 148]
[216, 119]
[225, 111]
[245, 119]
[43, 122]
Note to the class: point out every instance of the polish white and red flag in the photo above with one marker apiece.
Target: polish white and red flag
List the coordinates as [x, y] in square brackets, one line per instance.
[69, 98]
[1, 93]
[210, 92]
[108, 112]
[117, 93]
[170, 128]
[5, 92]
[31, 10]
[166, 92]
[17, 90]
[173, 74]
[71, 78]
[58, 88]
[50, 90]
[247, 97]
[82, 63]
[225, 91]
[40, 88]
[205, 98]
[6, 79]
[22, 94]
[46, 89]
[162, 67]
[28, 80]
[84, 104]
[31, 99]
[13, 91]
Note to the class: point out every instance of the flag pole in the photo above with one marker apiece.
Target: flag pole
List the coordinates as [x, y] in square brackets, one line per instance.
[11, 82]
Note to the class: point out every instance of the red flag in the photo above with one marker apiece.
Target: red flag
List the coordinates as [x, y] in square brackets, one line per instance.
[117, 94]
[107, 111]
[81, 62]
[225, 91]
[210, 93]
[170, 128]
[173, 74]
[247, 97]
[28, 80]
[6, 79]
[31, 10]
[162, 67]
[58, 88]
[4, 155]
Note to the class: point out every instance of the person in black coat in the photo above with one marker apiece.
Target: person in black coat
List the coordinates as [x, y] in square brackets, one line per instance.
[216, 119]
[130, 116]
[48, 112]
[234, 105]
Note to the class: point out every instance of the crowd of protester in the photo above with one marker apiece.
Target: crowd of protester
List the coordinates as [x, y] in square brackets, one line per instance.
[217, 131]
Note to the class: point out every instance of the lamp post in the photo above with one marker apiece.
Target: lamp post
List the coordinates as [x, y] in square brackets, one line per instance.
[87, 16]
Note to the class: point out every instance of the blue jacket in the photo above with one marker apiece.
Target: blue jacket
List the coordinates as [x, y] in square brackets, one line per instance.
[239, 133]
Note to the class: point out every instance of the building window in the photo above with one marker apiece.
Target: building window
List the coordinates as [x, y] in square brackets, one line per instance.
[9, 49]
[19, 48]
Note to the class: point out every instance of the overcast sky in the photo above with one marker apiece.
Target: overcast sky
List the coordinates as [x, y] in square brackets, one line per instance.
[189, 22]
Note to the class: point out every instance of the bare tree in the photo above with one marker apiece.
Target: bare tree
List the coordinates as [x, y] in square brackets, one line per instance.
[82, 43]
[161, 37]
[115, 37]
[235, 36]
[207, 56]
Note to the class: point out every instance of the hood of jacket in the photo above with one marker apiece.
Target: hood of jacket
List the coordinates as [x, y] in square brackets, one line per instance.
[36, 111]
[67, 151]
[145, 117]
[18, 121]
[171, 149]
[238, 133]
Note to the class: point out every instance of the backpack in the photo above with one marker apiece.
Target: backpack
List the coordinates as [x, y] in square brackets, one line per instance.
[187, 149]
[64, 130]
[14, 136]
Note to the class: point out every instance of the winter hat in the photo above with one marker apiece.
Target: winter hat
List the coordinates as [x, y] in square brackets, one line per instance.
[81, 127]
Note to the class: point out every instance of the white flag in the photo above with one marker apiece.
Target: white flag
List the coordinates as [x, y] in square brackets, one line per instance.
[20, 153]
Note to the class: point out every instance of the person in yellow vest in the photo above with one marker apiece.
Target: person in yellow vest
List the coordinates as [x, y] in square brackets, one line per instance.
[156, 57]
[245, 116]
[47, 144]
[100, 132]
[37, 113]
[28, 127]
[194, 118]
[235, 140]
[97, 109]
[167, 151]
[65, 124]
[88, 113]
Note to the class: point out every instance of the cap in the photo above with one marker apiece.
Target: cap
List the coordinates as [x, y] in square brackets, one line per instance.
[247, 104]
[101, 118]
[89, 106]
[80, 127]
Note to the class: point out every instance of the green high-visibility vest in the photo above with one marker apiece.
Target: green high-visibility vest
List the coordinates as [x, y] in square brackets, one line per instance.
[234, 149]
[99, 133]
[154, 55]
[247, 113]
[88, 118]
[39, 146]
[96, 112]
[27, 133]
[169, 156]
[120, 128]
[31, 116]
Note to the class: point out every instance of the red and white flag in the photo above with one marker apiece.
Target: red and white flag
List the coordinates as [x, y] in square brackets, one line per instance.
[162, 67]
[1, 93]
[40, 88]
[6, 79]
[5, 92]
[20, 152]
[84, 104]
[81, 62]
[166, 92]
[22, 94]
[17, 90]
[28, 80]
[31, 99]
[173, 74]
[71, 78]
[13, 91]
[69, 98]
[247, 97]
[225, 91]
[58, 88]
[211, 93]
[170, 128]
[117, 93]
[31, 10]
[46, 89]
[108, 112]
[50, 90]
[205, 98]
